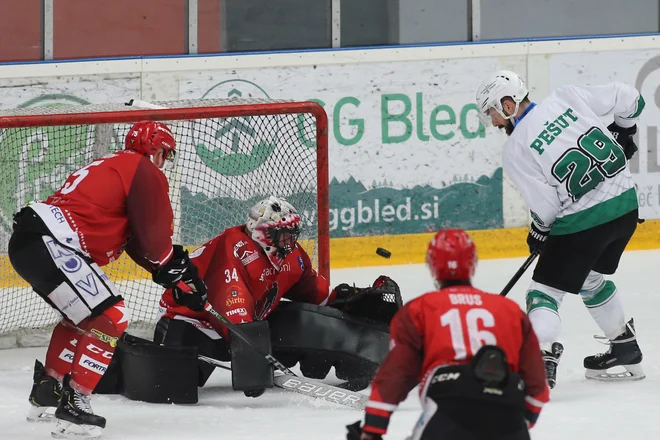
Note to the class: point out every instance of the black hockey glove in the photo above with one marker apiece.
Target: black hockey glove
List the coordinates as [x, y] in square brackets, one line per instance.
[180, 269]
[355, 433]
[536, 238]
[193, 298]
[624, 136]
[379, 302]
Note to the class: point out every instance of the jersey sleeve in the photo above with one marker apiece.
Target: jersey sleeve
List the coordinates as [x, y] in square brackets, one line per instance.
[311, 288]
[619, 99]
[532, 371]
[398, 374]
[150, 214]
[527, 176]
[227, 287]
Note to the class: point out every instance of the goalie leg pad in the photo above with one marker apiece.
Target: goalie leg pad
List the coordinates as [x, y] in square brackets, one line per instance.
[250, 370]
[184, 333]
[322, 337]
[157, 374]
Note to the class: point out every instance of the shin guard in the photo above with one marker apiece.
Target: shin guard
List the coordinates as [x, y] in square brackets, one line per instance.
[96, 347]
[61, 350]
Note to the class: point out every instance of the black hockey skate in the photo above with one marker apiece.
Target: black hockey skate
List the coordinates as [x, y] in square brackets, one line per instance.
[551, 361]
[44, 397]
[75, 418]
[623, 352]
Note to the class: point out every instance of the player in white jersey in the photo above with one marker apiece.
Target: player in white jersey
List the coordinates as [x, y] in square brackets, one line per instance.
[573, 173]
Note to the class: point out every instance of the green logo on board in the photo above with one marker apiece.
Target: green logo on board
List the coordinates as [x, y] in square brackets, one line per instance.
[240, 145]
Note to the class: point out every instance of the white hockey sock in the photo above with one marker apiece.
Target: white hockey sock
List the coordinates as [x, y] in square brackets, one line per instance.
[543, 310]
[604, 304]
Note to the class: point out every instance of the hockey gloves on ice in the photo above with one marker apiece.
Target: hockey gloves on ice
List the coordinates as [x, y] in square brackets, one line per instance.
[180, 269]
[379, 302]
[624, 136]
[536, 238]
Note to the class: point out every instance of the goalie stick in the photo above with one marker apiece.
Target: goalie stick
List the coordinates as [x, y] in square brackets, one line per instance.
[289, 380]
[309, 387]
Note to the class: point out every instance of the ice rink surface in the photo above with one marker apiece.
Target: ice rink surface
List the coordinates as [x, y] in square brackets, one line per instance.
[578, 410]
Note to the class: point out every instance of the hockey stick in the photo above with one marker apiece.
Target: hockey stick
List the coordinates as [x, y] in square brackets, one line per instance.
[289, 380]
[512, 282]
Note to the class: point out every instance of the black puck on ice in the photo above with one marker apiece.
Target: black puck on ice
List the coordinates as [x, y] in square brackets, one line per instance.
[383, 253]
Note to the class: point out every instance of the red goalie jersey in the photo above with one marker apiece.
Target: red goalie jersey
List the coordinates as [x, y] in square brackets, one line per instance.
[448, 327]
[242, 283]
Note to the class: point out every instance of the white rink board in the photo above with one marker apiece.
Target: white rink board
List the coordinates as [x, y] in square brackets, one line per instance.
[441, 75]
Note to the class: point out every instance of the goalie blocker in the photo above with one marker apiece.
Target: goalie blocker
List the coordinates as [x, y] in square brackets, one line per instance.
[317, 337]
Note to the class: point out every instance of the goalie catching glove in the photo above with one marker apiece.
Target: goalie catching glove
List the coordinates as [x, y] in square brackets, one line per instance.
[179, 269]
[379, 302]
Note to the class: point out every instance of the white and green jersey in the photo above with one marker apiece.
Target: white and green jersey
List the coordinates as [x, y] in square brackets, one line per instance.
[566, 164]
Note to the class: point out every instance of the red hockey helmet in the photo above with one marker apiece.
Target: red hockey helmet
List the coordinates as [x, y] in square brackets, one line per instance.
[451, 256]
[147, 137]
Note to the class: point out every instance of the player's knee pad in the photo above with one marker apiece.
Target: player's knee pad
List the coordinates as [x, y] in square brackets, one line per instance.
[110, 324]
[540, 296]
[596, 291]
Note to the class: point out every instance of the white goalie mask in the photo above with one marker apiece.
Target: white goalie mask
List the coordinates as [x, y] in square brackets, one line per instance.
[499, 85]
[275, 225]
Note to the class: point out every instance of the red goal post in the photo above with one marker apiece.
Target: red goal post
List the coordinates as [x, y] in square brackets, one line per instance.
[230, 153]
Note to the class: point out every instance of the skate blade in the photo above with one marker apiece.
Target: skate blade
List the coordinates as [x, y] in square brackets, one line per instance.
[68, 430]
[632, 373]
[41, 414]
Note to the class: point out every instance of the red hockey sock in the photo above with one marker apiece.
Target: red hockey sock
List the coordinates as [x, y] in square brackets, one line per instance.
[95, 349]
[61, 350]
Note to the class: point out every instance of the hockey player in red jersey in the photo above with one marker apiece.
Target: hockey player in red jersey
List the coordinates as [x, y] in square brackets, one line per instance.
[248, 269]
[118, 202]
[474, 354]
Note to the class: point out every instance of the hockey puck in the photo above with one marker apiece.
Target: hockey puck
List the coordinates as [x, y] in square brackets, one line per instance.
[383, 253]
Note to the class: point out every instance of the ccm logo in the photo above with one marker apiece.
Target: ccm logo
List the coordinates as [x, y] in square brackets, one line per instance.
[96, 350]
[445, 376]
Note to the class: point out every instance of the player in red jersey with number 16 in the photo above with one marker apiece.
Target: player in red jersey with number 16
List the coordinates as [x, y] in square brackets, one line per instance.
[474, 354]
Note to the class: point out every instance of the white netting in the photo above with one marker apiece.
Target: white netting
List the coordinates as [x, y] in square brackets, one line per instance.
[224, 165]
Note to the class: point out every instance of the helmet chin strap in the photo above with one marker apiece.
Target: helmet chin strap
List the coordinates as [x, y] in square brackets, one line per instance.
[511, 117]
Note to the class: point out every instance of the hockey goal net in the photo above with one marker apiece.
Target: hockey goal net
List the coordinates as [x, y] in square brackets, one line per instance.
[230, 154]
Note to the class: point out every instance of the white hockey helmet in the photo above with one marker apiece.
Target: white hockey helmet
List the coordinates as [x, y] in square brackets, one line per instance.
[275, 225]
[499, 85]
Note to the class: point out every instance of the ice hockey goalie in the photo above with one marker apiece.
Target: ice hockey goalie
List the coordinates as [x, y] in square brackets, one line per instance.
[261, 279]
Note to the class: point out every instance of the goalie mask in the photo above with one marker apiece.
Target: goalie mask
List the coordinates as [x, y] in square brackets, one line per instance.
[275, 225]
